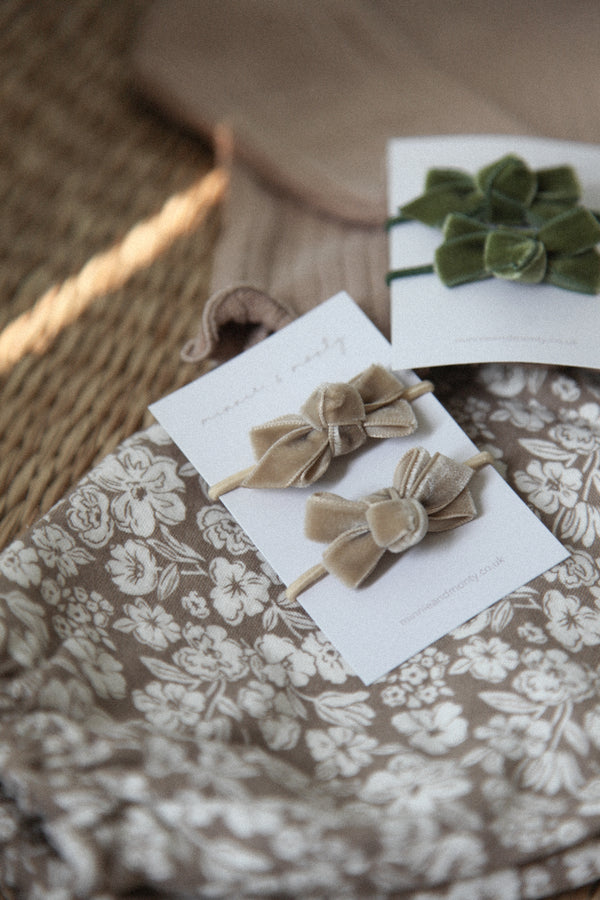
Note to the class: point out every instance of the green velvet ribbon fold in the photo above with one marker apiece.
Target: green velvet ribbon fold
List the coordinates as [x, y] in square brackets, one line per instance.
[562, 252]
[506, 192]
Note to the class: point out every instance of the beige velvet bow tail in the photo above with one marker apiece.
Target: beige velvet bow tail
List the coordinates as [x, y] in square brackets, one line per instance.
[296, 450]
[428, 494]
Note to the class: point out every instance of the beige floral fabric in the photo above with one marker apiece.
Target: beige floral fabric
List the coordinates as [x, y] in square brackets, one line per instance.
[171, 725]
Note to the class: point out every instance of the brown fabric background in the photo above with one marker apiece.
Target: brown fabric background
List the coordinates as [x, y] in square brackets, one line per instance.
[172, 724]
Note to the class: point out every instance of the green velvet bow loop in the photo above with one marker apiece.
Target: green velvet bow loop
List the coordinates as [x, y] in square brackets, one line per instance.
[506, 192]
[562, 252]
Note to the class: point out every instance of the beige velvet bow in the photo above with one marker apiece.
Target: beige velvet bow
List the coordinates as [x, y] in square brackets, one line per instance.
[429, 494]
[296, 450]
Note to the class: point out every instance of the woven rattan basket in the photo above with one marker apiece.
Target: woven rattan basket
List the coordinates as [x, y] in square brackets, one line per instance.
[107, 225]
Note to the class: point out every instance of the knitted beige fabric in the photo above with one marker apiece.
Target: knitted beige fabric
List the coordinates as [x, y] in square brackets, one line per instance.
[311, 92]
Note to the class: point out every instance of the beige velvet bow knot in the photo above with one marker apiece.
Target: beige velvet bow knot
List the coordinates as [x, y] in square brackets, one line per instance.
[296, 450]
[429, 494]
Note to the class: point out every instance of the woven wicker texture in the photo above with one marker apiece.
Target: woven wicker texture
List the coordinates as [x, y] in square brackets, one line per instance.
[107, 221]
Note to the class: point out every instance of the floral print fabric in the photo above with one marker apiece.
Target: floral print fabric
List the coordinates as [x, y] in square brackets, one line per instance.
[172, 725]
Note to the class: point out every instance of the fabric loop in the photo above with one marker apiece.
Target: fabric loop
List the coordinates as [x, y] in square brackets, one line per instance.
[429, 494]
[561, 253]
[336, 419]
[506, 192]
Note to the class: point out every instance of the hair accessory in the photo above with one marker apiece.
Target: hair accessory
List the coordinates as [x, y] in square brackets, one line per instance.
[506, 192]
[429, 494]
[337, 418]
[562, 252]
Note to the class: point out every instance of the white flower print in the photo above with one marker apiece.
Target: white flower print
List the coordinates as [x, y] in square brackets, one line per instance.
[433, 730]
[531, 633]
[27, 636]
[195, 605]
[419, 682]
[211, 654]
[393, 695]
[330, 665]
[487, 660]
[530, 415]
[566, 389]
[472, 626]
[146, 487]
[8, 824]
[18, 563]
[50, 592]
[156, 434]
[99, 608]
[72, 697]
[281, 732]
[89, 515]
[530, 822]
[590, 795]
[150, 625]
[537, 882]
[87, 615]
[507, 379]
[102, 670]
[277, 718]
[553, 771]
[550, 678]
[144, 843]
[473, 415]
[581, 523]
[256, 698]
[470, 770]
[339, 751]
[574, 436]
[238, 591]
[592, 724]
[583, 865]
[412, 784]
[58, 549]
[580, 431]
[502, 885]
[282, 662]
[515, 737]
[170, 707]
[572, 624]
[576, 570]
[413, 673]
[220, 529]
[133, 568]
[550, 485]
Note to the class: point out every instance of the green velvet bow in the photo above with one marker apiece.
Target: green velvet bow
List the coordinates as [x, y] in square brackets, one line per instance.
[560, 253]
[506, 192]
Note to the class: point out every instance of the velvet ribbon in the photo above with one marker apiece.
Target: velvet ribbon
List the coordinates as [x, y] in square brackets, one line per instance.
[337, 418]
[507, 192]
[429, 494]
[560, 253]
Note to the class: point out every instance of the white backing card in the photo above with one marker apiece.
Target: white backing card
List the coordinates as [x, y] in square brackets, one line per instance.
[421, 594]
[490, 320]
